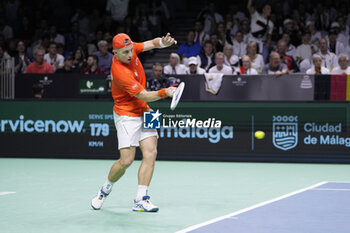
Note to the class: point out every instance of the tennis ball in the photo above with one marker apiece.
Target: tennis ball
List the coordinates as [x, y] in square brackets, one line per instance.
[259, 134]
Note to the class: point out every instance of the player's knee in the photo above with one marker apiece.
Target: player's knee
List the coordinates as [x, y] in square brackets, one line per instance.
[150, 154]
[126, 162]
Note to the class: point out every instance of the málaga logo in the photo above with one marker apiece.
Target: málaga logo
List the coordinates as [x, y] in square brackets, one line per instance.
[285, 132]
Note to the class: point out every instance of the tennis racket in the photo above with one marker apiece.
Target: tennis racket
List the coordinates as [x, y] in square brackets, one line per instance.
[177, 96]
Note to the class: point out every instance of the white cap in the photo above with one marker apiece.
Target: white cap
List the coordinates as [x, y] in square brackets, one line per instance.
[335, 25]
[192, 61]
[287, 21]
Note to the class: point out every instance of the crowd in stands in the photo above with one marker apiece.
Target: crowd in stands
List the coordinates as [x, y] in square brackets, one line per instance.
[48, 36]
[273, 38]
[250, 37]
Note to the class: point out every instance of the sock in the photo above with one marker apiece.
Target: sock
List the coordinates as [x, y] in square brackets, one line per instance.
[107, 186]
[142, 190]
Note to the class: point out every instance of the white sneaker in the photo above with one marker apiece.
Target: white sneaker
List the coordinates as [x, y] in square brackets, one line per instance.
[144, 205]
[97, 201]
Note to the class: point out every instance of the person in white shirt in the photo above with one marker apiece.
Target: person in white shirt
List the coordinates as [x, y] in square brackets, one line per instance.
[220, 66]
[305, 50]
[315, 35]
[246, 67]
[211, 18]
[261, 26]
[174, 66]
[290, 48]
[53, 58]
[329, 60]
[317, 67]
[343, 67]
[118, 9]
[239, 47]
[256, 59]
[230, 59]
[193, 67]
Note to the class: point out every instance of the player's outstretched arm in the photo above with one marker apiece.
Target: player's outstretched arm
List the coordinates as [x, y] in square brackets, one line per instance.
[159, 43]
[151, 96]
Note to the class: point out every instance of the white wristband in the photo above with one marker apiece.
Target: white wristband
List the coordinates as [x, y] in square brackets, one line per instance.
[161, 44]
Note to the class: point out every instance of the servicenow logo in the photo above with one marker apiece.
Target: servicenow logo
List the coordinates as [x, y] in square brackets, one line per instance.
[41, 126]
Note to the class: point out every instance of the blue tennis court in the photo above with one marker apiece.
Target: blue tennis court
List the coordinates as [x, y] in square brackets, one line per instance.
[321, 208]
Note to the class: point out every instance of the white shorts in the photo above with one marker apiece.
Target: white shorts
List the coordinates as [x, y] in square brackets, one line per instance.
[130, 130]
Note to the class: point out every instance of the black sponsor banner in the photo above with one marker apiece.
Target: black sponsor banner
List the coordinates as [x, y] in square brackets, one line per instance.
[238, 88]
[308, 132]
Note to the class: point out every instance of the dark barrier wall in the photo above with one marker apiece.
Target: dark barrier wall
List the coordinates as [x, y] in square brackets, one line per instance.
[309, 132]
[237, 88]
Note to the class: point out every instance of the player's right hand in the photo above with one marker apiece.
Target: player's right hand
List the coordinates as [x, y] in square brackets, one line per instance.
[170, 91]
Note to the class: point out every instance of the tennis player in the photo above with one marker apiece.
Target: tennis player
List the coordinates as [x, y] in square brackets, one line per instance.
[130, 101]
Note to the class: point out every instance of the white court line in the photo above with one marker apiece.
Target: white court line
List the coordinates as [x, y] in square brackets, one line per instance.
[250, 208]
[329, 189]
[5, 193]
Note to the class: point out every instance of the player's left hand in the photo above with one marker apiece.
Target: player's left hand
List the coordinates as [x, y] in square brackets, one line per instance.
[168, 40]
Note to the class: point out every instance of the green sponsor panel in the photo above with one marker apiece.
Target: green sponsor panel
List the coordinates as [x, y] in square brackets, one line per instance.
[304, 131]
[92, 86]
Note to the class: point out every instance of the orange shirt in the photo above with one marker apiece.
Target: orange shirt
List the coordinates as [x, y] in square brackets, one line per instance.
[35, 68]
[127, 81]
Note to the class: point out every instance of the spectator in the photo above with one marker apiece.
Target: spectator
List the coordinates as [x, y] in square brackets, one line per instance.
[21, 58]
[92, 66]
[246, 67]
[193, 67]
[42, 43]
[211, 18]
[329, 59]
[257, 60]
[104, 57]
[239, 47]
[189, 48]
[275, 67]
[174, 66]
[315, 35]
[343, 67]
[119, 9]
[221, 34]
[39, 66]
[293, 30]
[343, 31]
[231, 60]
[206, 58]
[157, 81]
[317, 67]
[60, 49]
[72, 38]
[220, 66]
[245, 29]
[288, 60]
[38, 91]
[261, 25]
[25, 30]
[334, 45]
[53, 58]
[79, 61]
[67, 68]
[54, 36]
[3, 54]
[218, 47]
[290, 48]
[5, 30]
[199, 35]
[305, 50]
